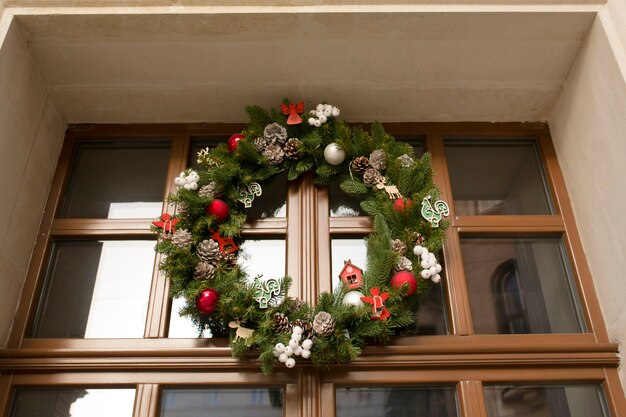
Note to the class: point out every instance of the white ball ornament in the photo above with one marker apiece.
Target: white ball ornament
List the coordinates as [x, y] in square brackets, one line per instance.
[293, 344]
[323, 119]
[432, 270]
[320, 107]
[328, 112]
[425, 264]
[333, 154]
[425, 273]
[335, 112]
[193, 177]
[283, 358]
[193, 186]
[288, 351]
[417, 250]
[436, 278]
[297, 330]
[438, 268]
[317, 123]
[297, 351]
[280, 348]
[307, 344]
[297, 336]
[311, 121]
[290, 363]
[180, 181]
[352, 298]
[306, 354]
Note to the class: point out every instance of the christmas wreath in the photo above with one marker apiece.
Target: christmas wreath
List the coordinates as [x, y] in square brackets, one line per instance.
[200, 241]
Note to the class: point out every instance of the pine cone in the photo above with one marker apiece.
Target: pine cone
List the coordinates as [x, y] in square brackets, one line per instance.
[296, 304]
[371, 176]
[378, 160]
[307, 328]
[360, 164]
[398, 246]
[208, 190]
[405, 161]
[275, 133]
[281, 323]
[274, 154]
[182, 238]
[228, 259]
[417, 238]
[404, 264]
[260, 144]
[208, 250]
[182, 209]
[323, 324]
[292, 150]
[204, 271]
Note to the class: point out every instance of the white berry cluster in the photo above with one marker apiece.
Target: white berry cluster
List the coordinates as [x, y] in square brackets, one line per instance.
[284, 353]
[321, 114]
[188, 181]
[430, 267]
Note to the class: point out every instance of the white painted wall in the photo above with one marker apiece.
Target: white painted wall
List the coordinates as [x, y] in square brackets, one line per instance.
[31, 134]
[588, 127]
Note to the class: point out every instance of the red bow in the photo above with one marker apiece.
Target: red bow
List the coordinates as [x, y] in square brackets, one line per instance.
[166, 222]
[292, 111]
[377, 300]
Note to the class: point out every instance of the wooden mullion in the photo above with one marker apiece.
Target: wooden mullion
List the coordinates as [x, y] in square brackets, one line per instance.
[471, 399]
[293, 238]
[324, 231]
[458, 303]
[548, 223]
[146, 400]
[350, 225]
[616, 402]
[6, 390]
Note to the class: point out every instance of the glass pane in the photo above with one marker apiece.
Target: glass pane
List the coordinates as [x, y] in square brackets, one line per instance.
[343, 205]
[273, 201]
[430, 315]
[497, 178]
[265, 257]
[72, 403]
[209, 402]
[117, 180]
[520, 285]
[396, 402]
[96, 289]
[545, 401]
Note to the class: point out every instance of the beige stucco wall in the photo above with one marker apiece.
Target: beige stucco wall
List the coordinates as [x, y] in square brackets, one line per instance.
[31, 135]
[588, 126]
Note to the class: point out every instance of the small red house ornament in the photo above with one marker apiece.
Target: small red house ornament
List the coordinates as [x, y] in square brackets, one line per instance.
[351, 275]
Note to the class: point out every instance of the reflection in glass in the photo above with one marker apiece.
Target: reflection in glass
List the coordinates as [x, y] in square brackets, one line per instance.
[96, 289]
[265, 257]
[273, 201]
[114, 180]
[73, 403]
[430, 316]
[503, 177]
[520, 285]
[209, 402]
[545, 400]
[426, 401]
[344, 205]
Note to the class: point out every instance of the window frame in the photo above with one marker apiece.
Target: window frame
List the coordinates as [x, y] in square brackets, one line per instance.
[461, 357]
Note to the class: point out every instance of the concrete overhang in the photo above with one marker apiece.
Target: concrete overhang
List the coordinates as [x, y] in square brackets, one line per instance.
[416, 62]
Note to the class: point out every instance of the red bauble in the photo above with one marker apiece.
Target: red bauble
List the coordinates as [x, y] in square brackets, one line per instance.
[219, 209]
[402, 204]
[405, 277]
[233, 141]
[206, 302]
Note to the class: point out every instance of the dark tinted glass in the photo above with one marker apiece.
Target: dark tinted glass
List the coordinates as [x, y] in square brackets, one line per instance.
[272, 202]
[396, 402]
[503, 177]
[96, 289]
[430, 314]
[72, 403]
[537, 400]
[216, 402]
[520, 285]
[265, 257]
[343, 205]
[117, 180]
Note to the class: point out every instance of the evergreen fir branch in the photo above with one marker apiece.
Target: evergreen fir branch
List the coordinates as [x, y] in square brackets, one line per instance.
[354, 187]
